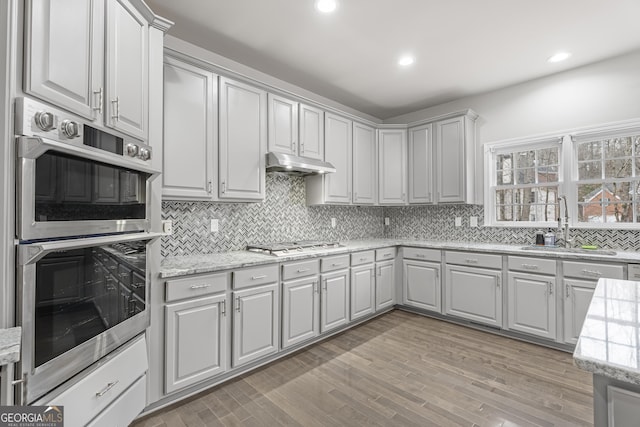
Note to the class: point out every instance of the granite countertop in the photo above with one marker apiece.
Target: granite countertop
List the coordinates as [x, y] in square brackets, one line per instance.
[10, 340]
[177, 266]
[609, 341]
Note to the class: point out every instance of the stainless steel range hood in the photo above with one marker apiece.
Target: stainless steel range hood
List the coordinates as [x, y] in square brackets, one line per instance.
[295, 165]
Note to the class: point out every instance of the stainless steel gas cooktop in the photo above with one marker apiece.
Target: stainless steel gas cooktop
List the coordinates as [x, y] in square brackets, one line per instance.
[291, 248]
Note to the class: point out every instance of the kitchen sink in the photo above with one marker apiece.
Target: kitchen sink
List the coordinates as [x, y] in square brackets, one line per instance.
[570, 250]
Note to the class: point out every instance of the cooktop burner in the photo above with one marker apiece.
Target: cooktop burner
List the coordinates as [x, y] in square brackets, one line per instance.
[288, 248]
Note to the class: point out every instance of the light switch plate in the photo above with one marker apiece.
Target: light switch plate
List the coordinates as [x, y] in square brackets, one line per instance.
[386, 221]
[473, 221]
[458, 221]
[214, 225]
[167, 226]
[333, 223]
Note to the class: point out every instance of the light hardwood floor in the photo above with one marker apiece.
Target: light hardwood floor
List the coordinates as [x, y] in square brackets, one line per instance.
[400, 369]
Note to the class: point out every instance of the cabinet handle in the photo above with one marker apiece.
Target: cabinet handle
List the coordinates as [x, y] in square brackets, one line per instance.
[636, 275]
[567, 289]
[471, 260]
[498, 280]
[379, 271]
[115, 104]
[223, 187]
[387, 254]
[204, 285]
[224, 307]
[437, 274]
[421, 256]
[336, 264]
[302, 270]
[324, 288]
[363, 259]
[373, 272]
[210, 187]
[530, 267]
[262, 276]
[108, 387]
[315, 287]
[238, 304]
[550, 288]
[98, 92]
[593, 273]
[428, 197]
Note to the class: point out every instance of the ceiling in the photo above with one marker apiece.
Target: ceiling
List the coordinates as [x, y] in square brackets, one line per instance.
[462, 47]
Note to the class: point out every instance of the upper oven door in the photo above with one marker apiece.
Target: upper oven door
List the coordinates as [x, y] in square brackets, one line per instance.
[68, 190]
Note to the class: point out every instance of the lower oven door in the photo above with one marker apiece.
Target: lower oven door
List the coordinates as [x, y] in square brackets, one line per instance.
[78, 300]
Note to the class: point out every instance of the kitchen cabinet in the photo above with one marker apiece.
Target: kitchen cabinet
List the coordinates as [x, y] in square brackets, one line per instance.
[363, 290]
[421, 164]
[311, 132]
[364, 164]
[300, 301]
[334, 188]
[190, 143]
[421, 285]
[106, 184]
[392, 166]
[243, 141]
[335, 293]
[474, 293]
[283, 125]
[91, 58]
[385, 285]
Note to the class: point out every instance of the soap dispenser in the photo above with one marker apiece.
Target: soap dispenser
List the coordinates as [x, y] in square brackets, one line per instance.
[550, 238]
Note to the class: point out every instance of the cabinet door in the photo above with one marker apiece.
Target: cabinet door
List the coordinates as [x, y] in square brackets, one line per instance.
[420, 164]
[255, 323]
[450, 164]
[385, 285]
[338, 140]
[422, 285]
[577, 297]
[362, 291]
[64, 53]
[300, 310]
[127, 69]
[334, 305]
[243, 140]
[392, 160]
[364, 164]
[190, 132]
[283, 125]
[474, 293]
[195, 341]
[311, 132]
[532, 304]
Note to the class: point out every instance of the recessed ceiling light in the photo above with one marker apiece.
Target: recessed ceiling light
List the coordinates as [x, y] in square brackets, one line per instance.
[406, 60]
[560, 56]
[326, 6]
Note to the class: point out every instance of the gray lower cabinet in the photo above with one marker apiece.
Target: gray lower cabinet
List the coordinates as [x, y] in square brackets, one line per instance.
[362, 291]
[421, 285]
[385, 285]
[255, 323]
[300, 310]
[577, 297]
[532, 304]
[195, 341]
[334, 305]
[474, 294]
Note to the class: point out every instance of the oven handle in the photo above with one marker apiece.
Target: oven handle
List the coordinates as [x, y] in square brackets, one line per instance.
[32, 147]
[32, 252]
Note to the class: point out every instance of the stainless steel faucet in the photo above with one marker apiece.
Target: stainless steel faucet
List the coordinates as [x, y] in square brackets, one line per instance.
[564, 225]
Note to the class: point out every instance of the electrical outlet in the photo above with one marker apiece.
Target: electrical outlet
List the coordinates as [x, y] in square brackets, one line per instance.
[458, 221]
[333, 223]
[386, 221]
[214, 225]
[167, 226]
[473, 221]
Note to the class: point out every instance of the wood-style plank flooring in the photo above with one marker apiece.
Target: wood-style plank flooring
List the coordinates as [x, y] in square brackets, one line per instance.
[400, 369]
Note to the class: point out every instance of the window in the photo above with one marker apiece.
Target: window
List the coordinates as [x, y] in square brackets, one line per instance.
[524, 182]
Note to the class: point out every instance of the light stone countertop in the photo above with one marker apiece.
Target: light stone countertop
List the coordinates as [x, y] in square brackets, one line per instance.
[177, 266]
[10, 340]
[609, 341]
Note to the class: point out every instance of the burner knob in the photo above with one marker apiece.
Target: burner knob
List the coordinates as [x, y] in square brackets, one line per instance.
[145, 153]
[45, 121]
[70, 129]
[132, 150]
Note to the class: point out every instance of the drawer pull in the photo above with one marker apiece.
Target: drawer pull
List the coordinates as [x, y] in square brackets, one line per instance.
[303, 270]
[636, 275]
[364, 259]
[471, 260]
[336, 264]
[224, 307]
[107, 388]
[568, 289]
[204, 285]
[386, 255]
[262, 276]
[498, 281]
[592, 273]
[550, 288]
[530, 267]
[421, 256]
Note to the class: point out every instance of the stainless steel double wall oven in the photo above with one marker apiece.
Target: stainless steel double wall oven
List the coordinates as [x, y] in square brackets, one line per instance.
[82, 224]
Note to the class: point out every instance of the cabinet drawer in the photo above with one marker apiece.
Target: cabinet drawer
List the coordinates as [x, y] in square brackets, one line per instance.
[334, 263]
[300, 269]
[532, 265]
[255, 276]
[385, 254]
[196, 286]
[100, 388]
[366, 257]
[592, 270]
[422, 254]
[634, 272]
[474, 259]
[126, 407]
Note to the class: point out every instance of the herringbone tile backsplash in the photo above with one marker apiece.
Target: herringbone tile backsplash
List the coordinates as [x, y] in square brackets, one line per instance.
[284, 216]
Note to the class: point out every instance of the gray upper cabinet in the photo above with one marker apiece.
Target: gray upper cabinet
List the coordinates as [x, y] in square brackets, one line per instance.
[190, 132]
[311, 129]
[243, 141]
[283, 125]
[364, 164]
[450, 164]
[421, 164]
[392, 166]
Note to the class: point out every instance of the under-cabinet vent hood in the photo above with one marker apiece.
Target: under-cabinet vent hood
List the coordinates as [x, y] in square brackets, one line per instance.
[295, 165]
